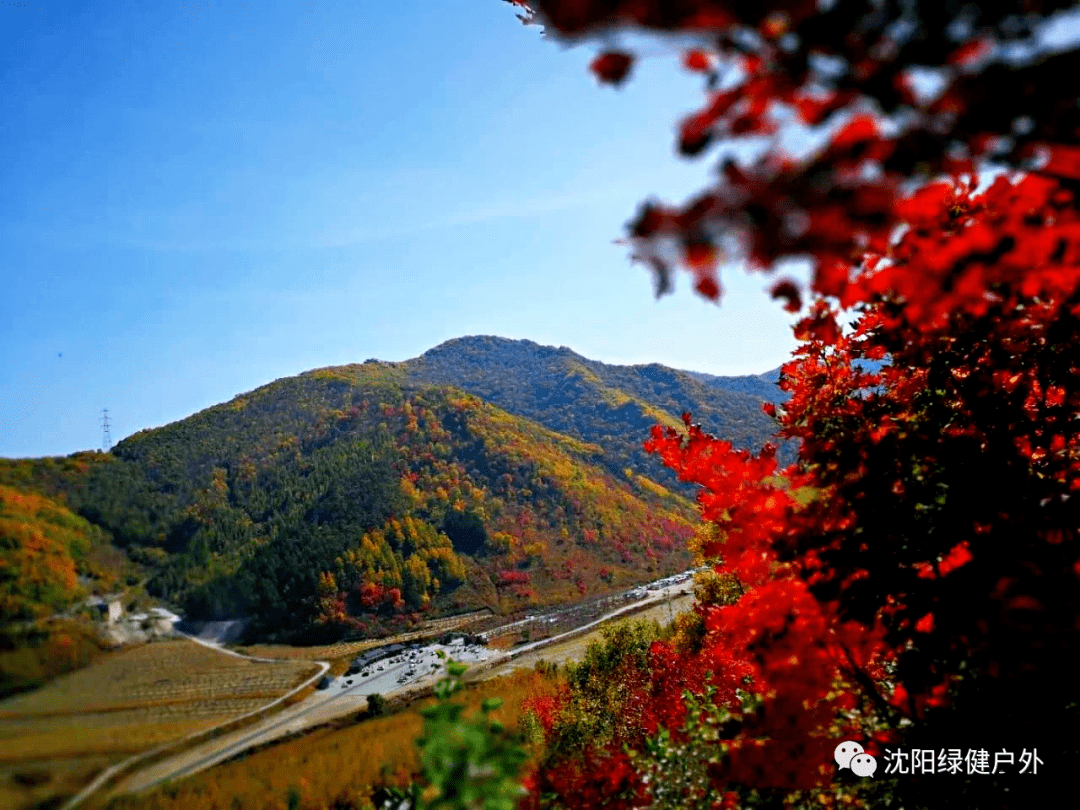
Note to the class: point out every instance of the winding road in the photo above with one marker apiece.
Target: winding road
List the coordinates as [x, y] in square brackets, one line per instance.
[413, 668]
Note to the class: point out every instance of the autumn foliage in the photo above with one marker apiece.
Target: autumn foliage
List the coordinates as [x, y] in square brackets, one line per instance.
[41, 548]
[912, 580]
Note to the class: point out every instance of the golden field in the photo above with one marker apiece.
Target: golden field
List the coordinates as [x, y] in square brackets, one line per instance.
[335, 764]
[57, 737]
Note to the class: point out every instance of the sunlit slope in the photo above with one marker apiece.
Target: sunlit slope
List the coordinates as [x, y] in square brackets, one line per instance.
[50, 561]
[42, 548]
[353, 500]
[613, 406]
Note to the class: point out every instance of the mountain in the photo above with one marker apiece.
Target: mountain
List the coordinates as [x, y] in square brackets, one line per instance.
[355, 499]
[613, 406]
[763, 387]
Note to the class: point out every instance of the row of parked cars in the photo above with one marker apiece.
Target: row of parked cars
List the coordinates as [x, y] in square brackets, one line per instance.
[376, 660]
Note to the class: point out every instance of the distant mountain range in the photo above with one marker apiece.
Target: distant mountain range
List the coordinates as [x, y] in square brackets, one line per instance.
[352, 500]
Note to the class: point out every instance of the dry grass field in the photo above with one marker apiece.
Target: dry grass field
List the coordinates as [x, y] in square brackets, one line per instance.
[57, 737]
[326, 765]
[28, 785]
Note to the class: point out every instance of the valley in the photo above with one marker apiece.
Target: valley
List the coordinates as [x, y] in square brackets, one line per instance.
[409, 670]
[399, 671]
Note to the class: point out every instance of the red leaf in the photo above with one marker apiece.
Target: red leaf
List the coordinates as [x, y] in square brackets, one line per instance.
[649, 220]
[958, 555]
[697, 130]
[831, 277]
[708, 287]
[611, 67]
[1025, 602]
[775, 25]
[1064, 162]
[970, 52]
[860, 128]
[812, 111]
[790, 293]
[701, 256]
[698, 60]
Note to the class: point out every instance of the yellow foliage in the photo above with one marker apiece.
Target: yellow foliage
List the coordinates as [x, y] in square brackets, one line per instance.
[411, 491]
[653, 487]
[417, 574]
[535, 549]
[327, 584]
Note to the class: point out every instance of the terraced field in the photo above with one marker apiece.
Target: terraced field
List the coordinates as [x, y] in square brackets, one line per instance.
[128, 702]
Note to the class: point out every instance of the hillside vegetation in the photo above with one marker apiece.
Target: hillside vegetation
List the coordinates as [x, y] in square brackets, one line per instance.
[613, 406]
[50, 560]
[353, 500]
[41, 544]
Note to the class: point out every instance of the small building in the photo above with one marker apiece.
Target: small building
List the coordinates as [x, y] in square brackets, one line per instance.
[111, 608]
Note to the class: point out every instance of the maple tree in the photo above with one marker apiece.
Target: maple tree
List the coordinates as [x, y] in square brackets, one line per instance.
[911, 580]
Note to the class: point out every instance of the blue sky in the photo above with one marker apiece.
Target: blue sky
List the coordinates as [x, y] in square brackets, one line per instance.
[202, 197]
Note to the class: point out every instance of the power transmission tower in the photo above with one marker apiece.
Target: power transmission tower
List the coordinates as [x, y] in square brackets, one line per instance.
[106, 439]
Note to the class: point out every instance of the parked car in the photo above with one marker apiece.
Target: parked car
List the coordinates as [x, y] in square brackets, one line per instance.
[324, 682]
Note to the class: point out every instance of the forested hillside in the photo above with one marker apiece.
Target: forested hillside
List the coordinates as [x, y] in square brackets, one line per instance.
[50, 560]
[355, 499]
[43, 548]
[613, 406]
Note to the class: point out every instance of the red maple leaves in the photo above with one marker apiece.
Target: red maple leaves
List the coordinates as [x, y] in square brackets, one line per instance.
[919, 562]
[940, 411]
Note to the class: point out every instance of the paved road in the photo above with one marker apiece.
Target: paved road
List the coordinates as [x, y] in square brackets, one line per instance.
[348, 695]
[108, 773]
[652, 598]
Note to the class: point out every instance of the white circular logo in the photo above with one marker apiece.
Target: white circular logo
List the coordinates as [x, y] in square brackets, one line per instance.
[863, 765]
[845, 751]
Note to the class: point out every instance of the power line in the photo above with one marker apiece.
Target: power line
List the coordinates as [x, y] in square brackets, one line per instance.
[106, 439]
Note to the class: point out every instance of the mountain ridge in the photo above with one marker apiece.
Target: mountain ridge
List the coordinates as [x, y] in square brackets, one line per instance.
[486, 472]
[537, 382]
